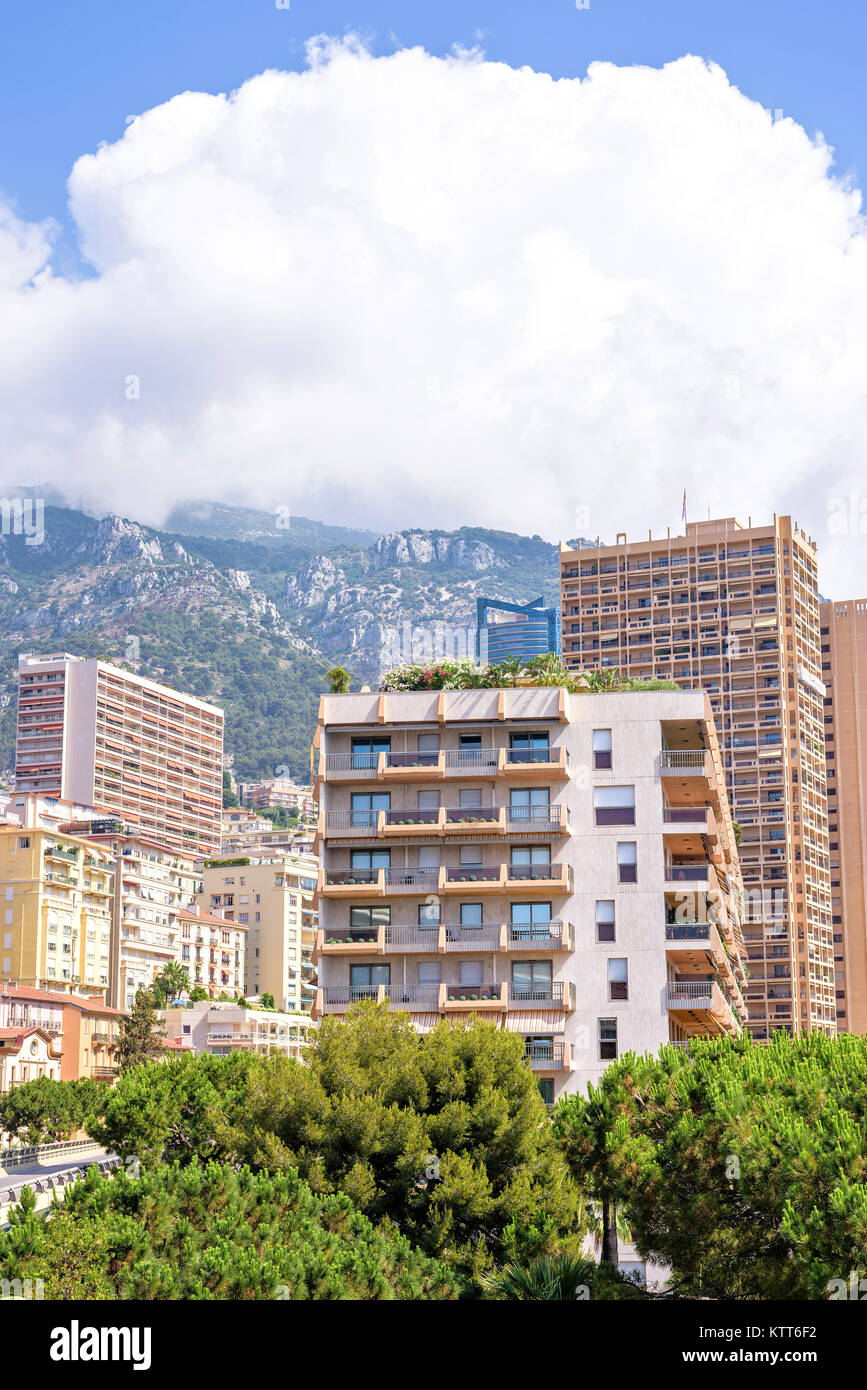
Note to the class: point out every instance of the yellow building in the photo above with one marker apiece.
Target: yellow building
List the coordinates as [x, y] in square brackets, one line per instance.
[56, 890]
[273, 898]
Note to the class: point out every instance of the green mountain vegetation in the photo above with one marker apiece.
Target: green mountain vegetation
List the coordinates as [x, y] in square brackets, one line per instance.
[225, 603]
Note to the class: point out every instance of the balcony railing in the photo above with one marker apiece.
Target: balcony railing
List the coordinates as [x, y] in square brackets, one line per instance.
[690, 994]
[683, 759]
[538, 994]
[413, 880]
[521, 934]
[469, 760]
[684, 815]
[531, 755]
[687, 931]
[466, 938]
[475, 873]
[546, 1056]
[338, 998]
[687, 873]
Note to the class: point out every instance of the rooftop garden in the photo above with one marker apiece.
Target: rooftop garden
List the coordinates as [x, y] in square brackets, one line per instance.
[540, 670]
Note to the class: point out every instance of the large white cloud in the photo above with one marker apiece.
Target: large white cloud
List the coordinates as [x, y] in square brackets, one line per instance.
[443, 291]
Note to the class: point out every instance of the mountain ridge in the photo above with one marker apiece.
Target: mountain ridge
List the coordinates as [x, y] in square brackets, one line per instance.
[250, 619]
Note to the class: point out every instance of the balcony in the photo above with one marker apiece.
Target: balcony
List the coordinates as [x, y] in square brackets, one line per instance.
[701, 1006]
[531, 880]
[447, 821]
[477, 878]
[531, 939]
[469, 762]
[349, 941]
[358, 883]
[554, 996]
[680, 766]
[699, 871]
[490, 998]
[535, 764]
[411, 767]
[548, 1057]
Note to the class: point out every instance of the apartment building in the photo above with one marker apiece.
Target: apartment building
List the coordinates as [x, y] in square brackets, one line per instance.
[246, 833]
[57, 891]
[273, 898]
[31, 1036]
[213, 951]
[90, 1034]
[91, 733]
[221, 1029]
[563, 865]
[277, 794]
[734, 610]
[844, 671]
[152, 885]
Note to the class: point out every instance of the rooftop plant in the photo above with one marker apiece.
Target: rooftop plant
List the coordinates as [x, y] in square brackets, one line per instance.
[547, 670]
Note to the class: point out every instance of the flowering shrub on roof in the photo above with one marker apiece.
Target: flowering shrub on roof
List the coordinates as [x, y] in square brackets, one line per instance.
[547, 670]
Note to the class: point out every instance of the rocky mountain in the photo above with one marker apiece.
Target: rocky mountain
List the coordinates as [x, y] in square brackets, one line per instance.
[250, 611]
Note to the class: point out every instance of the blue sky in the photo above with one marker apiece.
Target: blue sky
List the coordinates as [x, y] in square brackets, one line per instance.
[71, 73]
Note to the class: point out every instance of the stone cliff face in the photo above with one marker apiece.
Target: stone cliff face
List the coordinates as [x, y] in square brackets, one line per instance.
[93, 584]
[427, 548]
[412, 596]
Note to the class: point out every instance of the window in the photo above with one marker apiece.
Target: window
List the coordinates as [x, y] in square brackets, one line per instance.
[531, 979]
[608, 1039]
[470, 796]
[471, 914]
[366, 807]
[428, 801]
[529, 804]
[605, 920]
[428, 856]
[428, 915]
[614, 805]
[627, 861]
[546, 1089]
[529, 748]
[366, 751]
[366, 863]
[470, 972]
[369, 977]
[369, 919]
[618, 979]
[23, 841]
[428, 743]
[530, 862]
[531, 921]
[601, 748]
[429, 972]
[471, 854]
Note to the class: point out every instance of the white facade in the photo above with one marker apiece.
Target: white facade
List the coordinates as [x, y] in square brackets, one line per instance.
[221, 1029]
[562, 864]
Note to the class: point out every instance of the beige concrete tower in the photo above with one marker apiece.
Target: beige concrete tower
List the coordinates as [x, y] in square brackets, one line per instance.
[735, 610]
[150, 756]
[844, 668]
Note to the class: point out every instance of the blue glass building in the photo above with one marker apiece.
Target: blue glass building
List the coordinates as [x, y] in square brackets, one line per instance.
[529, 630]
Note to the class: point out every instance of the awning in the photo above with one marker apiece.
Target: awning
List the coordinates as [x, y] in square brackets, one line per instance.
[529, 1022]
[424, 1022]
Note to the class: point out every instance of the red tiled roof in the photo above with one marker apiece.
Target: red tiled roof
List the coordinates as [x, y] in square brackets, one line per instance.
[210, 921]
[75, 1001]
[26, 992]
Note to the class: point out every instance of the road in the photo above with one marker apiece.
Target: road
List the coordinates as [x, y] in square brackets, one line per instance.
[36, 1172]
